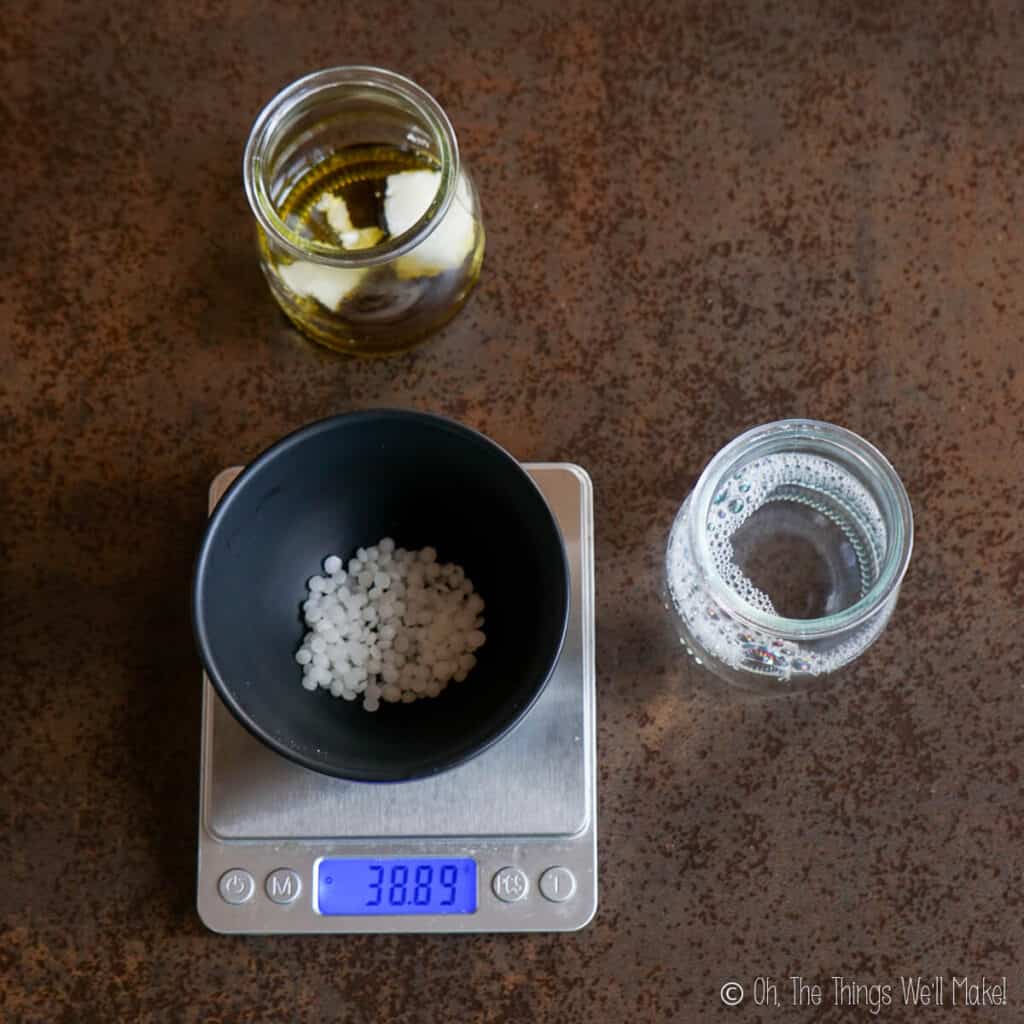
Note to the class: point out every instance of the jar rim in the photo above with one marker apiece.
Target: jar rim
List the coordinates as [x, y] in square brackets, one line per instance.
[897, 513]
[273, 117]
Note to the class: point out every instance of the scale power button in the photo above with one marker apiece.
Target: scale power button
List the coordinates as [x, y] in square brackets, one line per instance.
[510, 885]
[236, 886]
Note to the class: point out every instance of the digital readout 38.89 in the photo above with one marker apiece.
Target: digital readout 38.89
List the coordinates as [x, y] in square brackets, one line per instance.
[396, 885]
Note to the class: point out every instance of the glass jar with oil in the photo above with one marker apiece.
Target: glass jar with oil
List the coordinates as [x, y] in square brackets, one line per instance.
[369, 225]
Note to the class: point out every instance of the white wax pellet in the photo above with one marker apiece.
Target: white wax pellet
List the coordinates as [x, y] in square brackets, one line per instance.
[398, 626]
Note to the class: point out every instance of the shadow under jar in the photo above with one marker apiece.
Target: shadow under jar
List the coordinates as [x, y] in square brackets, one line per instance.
[784, 563]
[369, 225]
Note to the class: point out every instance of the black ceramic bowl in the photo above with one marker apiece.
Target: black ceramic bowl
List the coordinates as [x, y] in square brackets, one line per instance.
[344, 483]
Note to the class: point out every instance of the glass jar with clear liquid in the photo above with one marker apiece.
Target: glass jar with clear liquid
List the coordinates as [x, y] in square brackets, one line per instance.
[784, 563]
[369, 225]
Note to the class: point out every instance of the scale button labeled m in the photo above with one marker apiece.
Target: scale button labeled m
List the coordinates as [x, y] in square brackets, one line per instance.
[283, 885]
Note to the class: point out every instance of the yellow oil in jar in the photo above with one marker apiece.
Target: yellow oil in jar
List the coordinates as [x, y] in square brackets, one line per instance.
[344, 202]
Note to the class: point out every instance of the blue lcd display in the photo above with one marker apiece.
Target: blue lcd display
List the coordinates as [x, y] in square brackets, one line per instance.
[403, 885]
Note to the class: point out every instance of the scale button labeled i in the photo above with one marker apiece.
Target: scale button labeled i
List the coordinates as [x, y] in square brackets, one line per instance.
[558, 884]
[510, 885]
[236, 886]
[283, 885]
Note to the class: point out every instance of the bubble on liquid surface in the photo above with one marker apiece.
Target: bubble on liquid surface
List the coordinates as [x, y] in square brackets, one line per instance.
[788, 477]
[776, 477]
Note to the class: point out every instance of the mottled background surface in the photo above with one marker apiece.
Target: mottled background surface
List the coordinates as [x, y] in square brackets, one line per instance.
[701, 216]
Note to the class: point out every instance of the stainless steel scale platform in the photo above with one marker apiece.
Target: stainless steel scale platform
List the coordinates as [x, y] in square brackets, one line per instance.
[521, 817]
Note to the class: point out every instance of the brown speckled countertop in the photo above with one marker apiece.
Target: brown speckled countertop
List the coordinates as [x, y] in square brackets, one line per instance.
[701, 216]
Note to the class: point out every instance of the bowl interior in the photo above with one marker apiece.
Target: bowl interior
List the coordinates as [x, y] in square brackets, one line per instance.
[346, 483]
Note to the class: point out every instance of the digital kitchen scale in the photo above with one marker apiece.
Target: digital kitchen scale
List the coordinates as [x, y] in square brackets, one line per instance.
[506, 842]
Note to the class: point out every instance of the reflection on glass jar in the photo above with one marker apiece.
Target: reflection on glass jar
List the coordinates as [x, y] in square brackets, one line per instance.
[785, 562]
[370, 232]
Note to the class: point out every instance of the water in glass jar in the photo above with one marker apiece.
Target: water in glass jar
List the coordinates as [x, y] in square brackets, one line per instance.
[796, 536]
[793, 535]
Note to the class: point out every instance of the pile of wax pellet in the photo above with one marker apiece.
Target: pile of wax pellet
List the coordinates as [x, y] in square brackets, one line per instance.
[397, 626]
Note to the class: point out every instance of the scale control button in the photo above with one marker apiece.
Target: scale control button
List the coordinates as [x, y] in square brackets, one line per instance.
[283, 885]
[236, 886]
[510, 884]
[558, 884]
